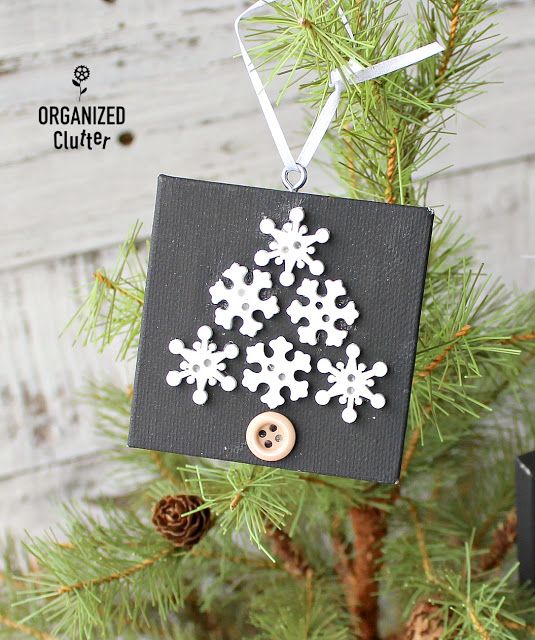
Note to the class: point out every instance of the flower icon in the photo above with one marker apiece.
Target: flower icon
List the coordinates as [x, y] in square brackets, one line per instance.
[81, 74]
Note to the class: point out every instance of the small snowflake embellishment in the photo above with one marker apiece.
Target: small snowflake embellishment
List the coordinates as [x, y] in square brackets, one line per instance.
[291, 246]
[277, 371]
[351, 382]
[322, 312]
[243, 299]
[202, 365]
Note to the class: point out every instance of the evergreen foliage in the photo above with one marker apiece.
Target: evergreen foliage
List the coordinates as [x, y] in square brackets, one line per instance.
[294, 556]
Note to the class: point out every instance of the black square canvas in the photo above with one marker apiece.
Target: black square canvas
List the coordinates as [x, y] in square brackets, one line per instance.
[380, 253]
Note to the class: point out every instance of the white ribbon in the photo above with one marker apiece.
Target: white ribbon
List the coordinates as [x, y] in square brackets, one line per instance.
[354, 73]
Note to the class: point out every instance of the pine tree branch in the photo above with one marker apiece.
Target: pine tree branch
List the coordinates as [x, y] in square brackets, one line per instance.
[462, 333]
[309, 601]
[349, 160]
[391, 163]
[403, 126]
[235, 501]
[422, 545]
[18, 584]
[163, 470]
[476, 622]
[116, 576]
[428, 369]
[350, 495]
[25, 629]
[114, 286]
[503, 539]
[286, 549]
[412, 444]
[346, 575]
[410, 449]
[521, 337]
[358, 565]
[207, 626]
[517, 626]
[238, 497]
[432, 577]
[450, 46]
[362, 596]
[446, 55]
[254, 564]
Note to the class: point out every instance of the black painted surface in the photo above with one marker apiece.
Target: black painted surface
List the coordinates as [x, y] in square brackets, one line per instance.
[380, 253]
[525, 508]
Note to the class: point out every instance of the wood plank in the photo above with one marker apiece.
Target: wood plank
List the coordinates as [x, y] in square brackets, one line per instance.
[31, 501]
[42, 417]
[51, 23]
[54, 23]
[190, 121]
[497, 206]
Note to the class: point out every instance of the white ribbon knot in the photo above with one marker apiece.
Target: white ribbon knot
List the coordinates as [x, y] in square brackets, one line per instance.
[354, 72]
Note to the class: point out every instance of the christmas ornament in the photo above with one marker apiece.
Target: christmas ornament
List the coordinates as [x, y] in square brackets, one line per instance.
[347, 250]
[183, 531]
[376, 254]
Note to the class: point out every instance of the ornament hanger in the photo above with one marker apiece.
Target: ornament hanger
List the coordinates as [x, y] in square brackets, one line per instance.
[355, 73]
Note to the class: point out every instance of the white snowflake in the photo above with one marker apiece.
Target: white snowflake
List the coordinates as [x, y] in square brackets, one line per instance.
[351, 382]
[277, 371]
[322, 312]
[292, 246]
[243, 299]
[203, 364]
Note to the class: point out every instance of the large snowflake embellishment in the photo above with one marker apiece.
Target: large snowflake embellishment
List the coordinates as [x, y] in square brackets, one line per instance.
[243, 299]
[291, 246]
[277, 371]
[351, 382]
[202, 365]
[322, 312]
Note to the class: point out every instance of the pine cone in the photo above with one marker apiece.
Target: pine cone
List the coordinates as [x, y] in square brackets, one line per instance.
[182, 531]
[425, 623]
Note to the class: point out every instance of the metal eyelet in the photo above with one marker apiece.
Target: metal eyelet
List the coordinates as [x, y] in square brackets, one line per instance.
[302, 178]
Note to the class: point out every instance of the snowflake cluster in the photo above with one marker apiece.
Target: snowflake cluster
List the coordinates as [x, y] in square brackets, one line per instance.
[244, 298]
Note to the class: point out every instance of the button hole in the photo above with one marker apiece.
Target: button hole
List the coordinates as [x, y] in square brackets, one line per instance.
[273, 427]
[268, 444]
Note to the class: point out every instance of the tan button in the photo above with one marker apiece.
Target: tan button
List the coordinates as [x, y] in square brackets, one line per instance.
[270, 436]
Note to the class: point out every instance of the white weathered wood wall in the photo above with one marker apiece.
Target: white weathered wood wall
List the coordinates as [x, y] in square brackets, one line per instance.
[193, 113]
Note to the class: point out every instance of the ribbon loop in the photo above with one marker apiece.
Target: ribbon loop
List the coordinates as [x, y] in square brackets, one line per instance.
[354, 72]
